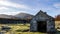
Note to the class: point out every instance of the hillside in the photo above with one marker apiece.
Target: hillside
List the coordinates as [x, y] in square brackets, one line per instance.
[24, 16]
[7, 16]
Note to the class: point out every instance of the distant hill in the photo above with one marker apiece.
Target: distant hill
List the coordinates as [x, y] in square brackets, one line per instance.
[24, 16]
[21, 16]
[7, 16]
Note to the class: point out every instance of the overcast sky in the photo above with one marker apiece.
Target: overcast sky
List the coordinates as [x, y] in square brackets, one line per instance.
[12, 7]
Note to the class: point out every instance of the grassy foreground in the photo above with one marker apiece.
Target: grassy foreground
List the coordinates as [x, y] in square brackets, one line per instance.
[18, 29]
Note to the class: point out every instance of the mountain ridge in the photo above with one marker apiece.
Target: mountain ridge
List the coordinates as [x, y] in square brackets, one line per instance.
[17, 16]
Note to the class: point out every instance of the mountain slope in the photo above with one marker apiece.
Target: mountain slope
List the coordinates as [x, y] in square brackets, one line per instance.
[24, 16]
[7, 16]
[18, 16]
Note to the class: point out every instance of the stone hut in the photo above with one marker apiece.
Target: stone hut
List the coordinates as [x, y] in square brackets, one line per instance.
[42, 22]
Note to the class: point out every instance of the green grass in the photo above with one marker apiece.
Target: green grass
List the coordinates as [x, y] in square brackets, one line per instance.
[19, 29]
[30, 33]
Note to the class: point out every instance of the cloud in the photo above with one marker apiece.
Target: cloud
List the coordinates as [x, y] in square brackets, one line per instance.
[57, 5]
[11, 4]
[4, 8]
[5, 4]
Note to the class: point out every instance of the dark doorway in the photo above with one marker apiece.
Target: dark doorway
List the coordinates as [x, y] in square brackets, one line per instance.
[41, 26]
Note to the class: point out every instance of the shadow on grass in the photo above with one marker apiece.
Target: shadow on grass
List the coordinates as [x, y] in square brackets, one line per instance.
[57, 32]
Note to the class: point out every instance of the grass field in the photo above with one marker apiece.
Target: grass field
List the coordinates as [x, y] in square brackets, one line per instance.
[22, 29]
[18, 29]
[57, 24]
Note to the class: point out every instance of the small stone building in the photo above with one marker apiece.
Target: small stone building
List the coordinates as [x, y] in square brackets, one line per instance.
[42, 22]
